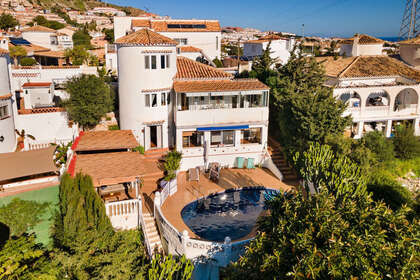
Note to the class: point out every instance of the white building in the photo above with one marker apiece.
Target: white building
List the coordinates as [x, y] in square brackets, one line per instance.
[47, 38]
[361, 44]
[280, 47]
[7, 124]
[174, 101]
[410, 51]
[203, 34]
[380, 91]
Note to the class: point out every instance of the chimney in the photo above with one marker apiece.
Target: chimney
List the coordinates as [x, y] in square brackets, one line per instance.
[355, 46]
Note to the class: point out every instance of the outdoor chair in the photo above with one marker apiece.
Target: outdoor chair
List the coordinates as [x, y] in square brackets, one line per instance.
[240, 162]
[250, 163]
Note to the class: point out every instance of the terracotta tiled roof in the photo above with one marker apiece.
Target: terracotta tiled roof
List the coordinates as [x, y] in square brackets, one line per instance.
[38, 28]
[369, 66]
[363, 40]
[41, 110]
[56, 54]
[190, 69]
[219, 85]
[6, 96]
[335, 67]
[162, 25]
[413, 41]
[269, 37]
[111, 168]
[192, 49]
[146, 37]
[36, 84]
[107, 140]
[31, 48]
[140, 23]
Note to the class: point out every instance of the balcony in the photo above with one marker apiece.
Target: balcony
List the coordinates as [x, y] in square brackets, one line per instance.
[219, 116]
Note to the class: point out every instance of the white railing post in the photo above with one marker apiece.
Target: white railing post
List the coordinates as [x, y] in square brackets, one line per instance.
[184, 240]
[157, 202]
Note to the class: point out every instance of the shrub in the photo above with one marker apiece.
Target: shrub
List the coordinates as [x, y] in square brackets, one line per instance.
[386, 189]
[114, 127]
[382, 147]
[139, 149]
[406, 144]
[27, 61]
[217, 62]
[172, 164]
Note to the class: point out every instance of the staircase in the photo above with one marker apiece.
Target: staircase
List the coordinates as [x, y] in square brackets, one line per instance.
[150, 232]
[280, 161]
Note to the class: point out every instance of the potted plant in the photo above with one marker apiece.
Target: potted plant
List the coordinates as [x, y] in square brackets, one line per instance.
[171, 165]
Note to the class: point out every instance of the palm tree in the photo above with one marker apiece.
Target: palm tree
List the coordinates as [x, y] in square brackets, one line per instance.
[22, 136]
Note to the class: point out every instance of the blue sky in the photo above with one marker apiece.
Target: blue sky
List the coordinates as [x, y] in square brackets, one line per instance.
[321, 17]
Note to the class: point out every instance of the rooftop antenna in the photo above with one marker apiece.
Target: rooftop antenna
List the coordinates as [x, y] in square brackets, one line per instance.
[303, 30]
[411, 20]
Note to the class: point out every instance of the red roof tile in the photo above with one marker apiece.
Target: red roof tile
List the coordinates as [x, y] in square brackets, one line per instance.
[146, 37]
[106, 140]
[190, 69]
[36, 84]
[219, 85]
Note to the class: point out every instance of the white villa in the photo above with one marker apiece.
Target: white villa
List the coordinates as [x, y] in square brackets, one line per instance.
[172, 101]
[410, 51]
[47, 38]
[203, 35]
[280, 47]
[381, 92]
[361, 44]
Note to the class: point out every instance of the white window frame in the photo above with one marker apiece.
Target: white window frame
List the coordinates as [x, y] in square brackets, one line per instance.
[4, 111]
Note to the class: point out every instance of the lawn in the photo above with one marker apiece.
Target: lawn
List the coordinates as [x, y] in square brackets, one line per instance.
[50, 195]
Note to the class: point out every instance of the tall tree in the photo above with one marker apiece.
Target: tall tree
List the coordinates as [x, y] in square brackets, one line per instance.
[322, 237]
[82, 38]
[7, 21]
[16, 52]
[263, 65]
[90, 99]
[302, 108]
[78, 55]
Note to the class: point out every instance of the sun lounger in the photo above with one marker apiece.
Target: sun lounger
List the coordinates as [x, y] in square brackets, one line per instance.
[240, 162]
[194, 174]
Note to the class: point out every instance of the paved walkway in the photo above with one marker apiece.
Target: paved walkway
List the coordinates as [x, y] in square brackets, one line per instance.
[229, 178]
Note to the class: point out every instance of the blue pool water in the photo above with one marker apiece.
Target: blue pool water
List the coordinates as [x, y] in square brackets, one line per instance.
[233, 213]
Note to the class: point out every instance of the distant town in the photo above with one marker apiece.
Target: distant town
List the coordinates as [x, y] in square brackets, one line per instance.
[140, 146]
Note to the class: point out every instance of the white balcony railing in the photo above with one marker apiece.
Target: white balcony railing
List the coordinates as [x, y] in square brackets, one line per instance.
[217, 116]
[124, 214]
[381, 111]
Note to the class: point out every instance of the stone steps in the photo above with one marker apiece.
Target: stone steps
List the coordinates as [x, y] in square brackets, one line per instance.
[151, 233]
[279, 160]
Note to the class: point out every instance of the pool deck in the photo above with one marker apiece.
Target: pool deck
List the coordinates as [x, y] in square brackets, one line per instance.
[189, 191]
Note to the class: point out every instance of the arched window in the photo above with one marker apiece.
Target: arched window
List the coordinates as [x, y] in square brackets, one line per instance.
[352, 98]
[380, 98]
[405, 99]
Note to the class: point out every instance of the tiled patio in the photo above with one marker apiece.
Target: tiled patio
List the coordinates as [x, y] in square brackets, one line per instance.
[229, 178]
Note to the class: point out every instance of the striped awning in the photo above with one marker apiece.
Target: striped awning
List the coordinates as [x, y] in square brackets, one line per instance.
[216, 128]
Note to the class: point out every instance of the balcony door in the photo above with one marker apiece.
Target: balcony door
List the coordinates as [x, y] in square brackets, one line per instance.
[153, 137]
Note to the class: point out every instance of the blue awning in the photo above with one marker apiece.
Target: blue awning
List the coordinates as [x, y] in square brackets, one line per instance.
[232, 127]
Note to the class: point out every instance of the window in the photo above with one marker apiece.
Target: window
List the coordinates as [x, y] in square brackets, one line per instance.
[147, 61]
[163, 99]
[162, 62]
[217, 43]
[182, 41]
[167, 61]
[154, 62]
[4, 111]
[154, 99]
[251, 135]
[225, 137]
[147, 100]
[192, 139]
[168, 98]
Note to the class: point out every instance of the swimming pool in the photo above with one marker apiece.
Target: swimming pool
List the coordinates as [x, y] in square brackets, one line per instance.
[232, 213]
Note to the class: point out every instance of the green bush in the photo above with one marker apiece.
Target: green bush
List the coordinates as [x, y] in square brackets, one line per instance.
[386, 189]
[172, 164]
[114, 127]
[382, 147]
[407, 145]
[139, 149]
[217, 62]
[27, 61]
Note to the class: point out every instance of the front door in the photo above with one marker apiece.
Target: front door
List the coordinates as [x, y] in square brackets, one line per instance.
[153, 137]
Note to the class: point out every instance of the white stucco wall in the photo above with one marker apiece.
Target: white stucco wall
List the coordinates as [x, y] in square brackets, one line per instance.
[7, 129]
[46, 127]
[410, 54]
[134, 79]
[42, 39]
[280, 49]
[190, 55]
[358, 50]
